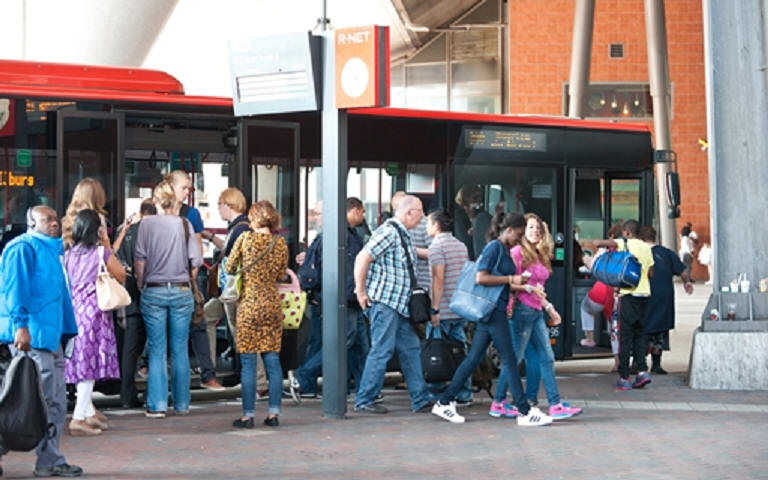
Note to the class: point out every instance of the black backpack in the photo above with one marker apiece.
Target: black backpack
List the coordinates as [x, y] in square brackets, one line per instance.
[23, 411]
[311, 271]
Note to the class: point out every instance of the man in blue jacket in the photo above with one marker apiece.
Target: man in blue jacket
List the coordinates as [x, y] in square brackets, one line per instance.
[36, 316]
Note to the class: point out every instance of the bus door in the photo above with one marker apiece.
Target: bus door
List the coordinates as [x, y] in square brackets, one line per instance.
[268, 163]
[90, 144]
[599, 200]
[483, 186]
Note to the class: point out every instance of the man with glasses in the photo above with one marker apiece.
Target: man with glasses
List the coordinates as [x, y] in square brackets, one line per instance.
[383, 289]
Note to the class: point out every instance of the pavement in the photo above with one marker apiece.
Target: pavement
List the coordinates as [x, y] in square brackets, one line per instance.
[663, 431]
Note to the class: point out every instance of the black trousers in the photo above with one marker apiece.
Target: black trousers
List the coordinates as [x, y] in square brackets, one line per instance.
[632, 339]
[198, 338]
[134, 339]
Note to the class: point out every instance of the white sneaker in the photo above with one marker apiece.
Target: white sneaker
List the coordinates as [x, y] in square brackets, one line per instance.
[294, 387]
[535, 418]
[447, 412]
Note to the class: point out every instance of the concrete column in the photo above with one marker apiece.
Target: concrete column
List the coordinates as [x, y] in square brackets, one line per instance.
[581, 53]
[658, 69]
[736, 65]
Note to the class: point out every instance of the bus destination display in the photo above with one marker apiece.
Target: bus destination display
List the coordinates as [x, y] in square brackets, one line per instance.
[505, 139]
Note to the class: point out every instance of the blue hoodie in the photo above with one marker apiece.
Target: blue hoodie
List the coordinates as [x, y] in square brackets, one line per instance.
[34, 292]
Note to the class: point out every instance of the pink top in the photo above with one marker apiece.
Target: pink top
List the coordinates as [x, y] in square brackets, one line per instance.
[539, 276]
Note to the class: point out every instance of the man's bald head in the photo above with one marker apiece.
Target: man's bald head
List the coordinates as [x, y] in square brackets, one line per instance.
[396, 199]
[43, 219]
[409, 211]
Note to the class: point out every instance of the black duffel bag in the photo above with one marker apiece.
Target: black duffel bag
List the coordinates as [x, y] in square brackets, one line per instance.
[440, 357]
[23, 411]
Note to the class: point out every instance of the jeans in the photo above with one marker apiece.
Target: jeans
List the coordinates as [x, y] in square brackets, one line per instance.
[312, 367]
[390, 331]
[201, 347]
[528, 326]
[167, 309]
[357, 346]
[453, 329]
[632, 338]
[496, 329]
[51, 365]
[248, 381]
[134, 339]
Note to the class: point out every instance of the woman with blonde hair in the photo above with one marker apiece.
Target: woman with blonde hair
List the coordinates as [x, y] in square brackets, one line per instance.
[165, 252]
[88, 194]
[181, 184]
[263, 258]
[533, 258]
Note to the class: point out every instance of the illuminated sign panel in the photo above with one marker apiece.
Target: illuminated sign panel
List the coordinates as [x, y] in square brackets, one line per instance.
[505, 139]
[10, 179]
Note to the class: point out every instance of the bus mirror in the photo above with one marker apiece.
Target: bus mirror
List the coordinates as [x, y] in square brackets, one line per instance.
[673, 194]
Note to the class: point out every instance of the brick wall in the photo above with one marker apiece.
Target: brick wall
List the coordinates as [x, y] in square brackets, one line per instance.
[540, 53]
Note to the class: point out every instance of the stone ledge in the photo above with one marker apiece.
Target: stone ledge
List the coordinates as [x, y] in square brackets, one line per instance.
[729, 360]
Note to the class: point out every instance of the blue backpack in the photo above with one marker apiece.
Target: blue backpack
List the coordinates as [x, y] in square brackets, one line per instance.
[310, 272]
[618, 268]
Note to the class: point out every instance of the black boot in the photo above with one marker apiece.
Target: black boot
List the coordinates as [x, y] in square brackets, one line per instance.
[656, 368]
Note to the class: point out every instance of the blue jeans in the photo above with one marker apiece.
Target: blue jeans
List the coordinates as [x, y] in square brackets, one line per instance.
[357, 345]
[312, 367]
[528, 326]
[496, 330]
[390, 331]
[453, 329]
[248, 381]
[167, 310]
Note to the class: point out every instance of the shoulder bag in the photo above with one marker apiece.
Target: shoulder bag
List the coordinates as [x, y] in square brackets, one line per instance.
[472, 301]
[440, 357]
[212, 284]
[293, 301]
[110, 294]
[234, 286]
[198, 316]
[618, 268]
[419, 305]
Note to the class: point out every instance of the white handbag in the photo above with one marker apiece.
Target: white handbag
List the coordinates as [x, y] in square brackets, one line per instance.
[109, 292]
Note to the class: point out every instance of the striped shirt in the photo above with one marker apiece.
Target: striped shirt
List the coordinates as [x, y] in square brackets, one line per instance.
[388, 281]
[449, 251]
[421, 239]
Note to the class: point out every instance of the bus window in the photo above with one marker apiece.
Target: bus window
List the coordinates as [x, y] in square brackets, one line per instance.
[588, 213]
[90, 149]
[26, 179]
[625, 200]
[373, 186]
[484, 190]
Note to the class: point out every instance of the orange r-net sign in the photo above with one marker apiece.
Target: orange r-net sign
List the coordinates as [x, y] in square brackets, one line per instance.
[362, 67]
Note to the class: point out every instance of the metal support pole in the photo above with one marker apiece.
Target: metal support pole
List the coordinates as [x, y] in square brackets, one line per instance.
[658, 68]
[583, 21]
[334, 302]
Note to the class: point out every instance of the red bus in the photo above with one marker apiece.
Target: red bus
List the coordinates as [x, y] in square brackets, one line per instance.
[126, 127]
